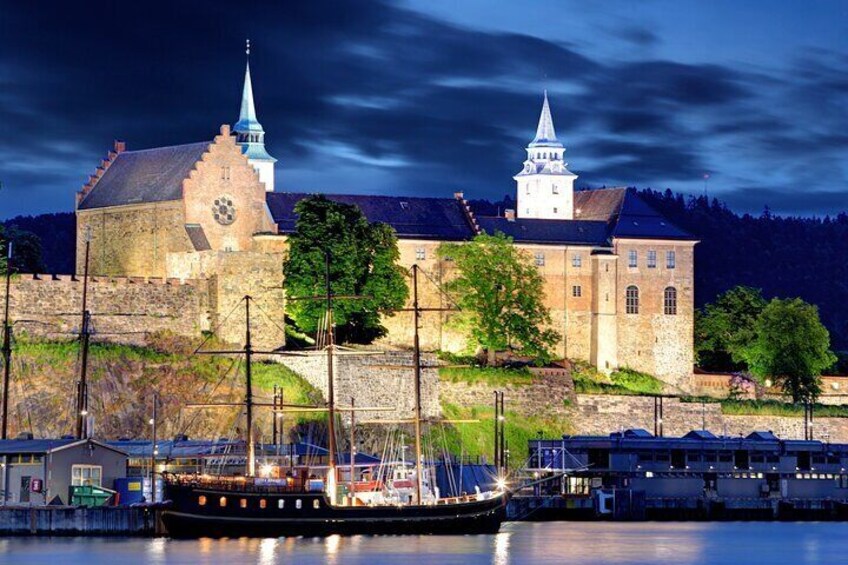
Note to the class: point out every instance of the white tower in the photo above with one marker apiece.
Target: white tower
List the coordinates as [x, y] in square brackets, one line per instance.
[545, 185]
[251, 136]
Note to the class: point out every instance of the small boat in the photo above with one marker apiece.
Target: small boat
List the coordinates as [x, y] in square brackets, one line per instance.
[305, 505]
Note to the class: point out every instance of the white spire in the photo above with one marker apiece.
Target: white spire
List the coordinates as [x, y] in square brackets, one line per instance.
[250, 134]
[247, 117]
[545, 133]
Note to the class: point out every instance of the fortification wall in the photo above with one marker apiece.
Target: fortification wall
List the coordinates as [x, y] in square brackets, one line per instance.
[602, 414]
[381, 379]
[124, 309]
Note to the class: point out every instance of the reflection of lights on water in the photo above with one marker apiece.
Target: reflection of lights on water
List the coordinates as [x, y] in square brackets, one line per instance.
[502, 548]
[156, 551]
[268, 551]
[332, 544]
[205, 545]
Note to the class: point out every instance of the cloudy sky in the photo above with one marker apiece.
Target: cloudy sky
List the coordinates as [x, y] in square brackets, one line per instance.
[426, 97]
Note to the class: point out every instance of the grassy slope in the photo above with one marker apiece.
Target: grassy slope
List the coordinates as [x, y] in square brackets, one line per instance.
[122, 379]
[588, 380]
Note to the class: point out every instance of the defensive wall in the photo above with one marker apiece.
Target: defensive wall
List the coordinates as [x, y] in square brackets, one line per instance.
[129, 309]
[374, 379]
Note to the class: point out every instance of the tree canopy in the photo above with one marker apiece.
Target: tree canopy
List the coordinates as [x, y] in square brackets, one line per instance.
[363, 262]
[501, 296]
[725, 328]
[26, 250]
[791, 346]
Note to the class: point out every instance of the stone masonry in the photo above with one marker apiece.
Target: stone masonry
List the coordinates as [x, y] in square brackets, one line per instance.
[123, 309]
[375, 379]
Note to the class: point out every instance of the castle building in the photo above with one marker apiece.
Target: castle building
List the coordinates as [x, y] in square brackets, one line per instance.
[618, 276]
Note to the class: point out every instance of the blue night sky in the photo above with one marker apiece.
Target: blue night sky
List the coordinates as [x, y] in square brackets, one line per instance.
[427, 97]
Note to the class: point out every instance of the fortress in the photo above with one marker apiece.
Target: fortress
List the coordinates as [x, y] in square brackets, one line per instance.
[618, 276]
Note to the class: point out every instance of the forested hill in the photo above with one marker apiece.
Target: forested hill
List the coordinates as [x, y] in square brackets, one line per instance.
[784, 256]
[57, 233]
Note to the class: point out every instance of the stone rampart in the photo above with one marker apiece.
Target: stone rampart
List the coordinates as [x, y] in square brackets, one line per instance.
[603, 414]
[123, 309]
[376, 379]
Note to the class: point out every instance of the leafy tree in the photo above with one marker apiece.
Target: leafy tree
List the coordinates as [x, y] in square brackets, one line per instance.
[26, 250]
[363, 262]
[725, 328]
[500, 293]
[792, 347]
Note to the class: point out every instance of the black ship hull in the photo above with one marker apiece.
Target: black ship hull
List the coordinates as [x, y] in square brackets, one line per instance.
[197, 511]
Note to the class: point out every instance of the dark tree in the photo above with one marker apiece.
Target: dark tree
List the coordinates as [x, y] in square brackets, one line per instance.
[363, 262]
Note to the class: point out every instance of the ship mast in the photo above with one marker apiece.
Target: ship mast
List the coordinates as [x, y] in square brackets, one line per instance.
[416, 357]
[331, 399]
[85, 336]
[7, 346]
[250, 467]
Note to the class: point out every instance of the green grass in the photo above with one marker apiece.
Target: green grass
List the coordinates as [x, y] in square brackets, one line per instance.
[588, 380]
[477, 438]
[486, 375]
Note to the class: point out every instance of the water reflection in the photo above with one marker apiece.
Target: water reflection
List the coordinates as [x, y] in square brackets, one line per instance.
[517, 544]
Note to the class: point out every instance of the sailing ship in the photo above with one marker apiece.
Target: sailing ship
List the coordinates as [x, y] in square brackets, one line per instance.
[303, 504]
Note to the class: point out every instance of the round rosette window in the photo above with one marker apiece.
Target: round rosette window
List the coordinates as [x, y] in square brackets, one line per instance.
[224, 210]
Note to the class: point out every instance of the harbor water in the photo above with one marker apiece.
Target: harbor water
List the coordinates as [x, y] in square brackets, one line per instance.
[775, 543]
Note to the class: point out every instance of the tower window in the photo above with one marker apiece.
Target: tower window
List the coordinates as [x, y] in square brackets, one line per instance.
[556, 210]
[670, 301]
[652, 259]
[632, 259]
[555, 189]
[420, 254]
[540, 259]
[670, 260]
[576, 291]
[631, 300]
[576, 260]
[225, 173]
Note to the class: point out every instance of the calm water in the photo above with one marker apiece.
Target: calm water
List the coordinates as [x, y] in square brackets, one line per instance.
[553, 542]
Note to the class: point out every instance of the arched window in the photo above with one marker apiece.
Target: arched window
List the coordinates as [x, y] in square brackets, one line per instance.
[631, 298]
[670, 301]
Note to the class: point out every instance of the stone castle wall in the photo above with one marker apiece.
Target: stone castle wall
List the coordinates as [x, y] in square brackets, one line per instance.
[123, 309]
[131, 240]
[378, 379]
[603, 414]
[230, 277]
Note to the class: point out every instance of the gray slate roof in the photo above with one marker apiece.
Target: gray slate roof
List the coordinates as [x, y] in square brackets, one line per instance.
[148, 175]
[548, 231]
[411, 218]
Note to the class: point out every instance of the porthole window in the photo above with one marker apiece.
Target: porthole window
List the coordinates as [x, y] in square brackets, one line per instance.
[281, 504]
[298, 504]
[263, 503]
[243, 503]
[201, 500]
[223, 501]
[316, 504]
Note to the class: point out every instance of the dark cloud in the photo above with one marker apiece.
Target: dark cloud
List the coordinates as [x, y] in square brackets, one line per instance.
[402, 101]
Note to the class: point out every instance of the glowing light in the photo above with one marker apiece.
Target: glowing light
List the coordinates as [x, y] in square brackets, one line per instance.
[501, 484]
[83, 412]
[151, 421]
[265, 470]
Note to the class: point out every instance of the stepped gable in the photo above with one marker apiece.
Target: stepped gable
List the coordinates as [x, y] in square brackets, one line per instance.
[144, 176]
[412, 218]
